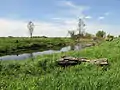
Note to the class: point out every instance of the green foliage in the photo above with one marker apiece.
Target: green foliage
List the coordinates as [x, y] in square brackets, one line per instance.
[119, 36]
[88, 35]
[109, 37]
[44, 74]
[72, 34]
[101, 34]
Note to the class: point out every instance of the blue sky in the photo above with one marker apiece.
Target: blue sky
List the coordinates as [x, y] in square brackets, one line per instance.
[55, 14]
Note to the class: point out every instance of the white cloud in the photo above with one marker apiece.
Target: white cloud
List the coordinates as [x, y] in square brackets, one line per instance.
[73, 9]
[19, 28]
[12, 27]
[107, 13]
[104, 16]
[57, 18]
[88, 17]
[72, 5]
[101, 18]
[109, 29]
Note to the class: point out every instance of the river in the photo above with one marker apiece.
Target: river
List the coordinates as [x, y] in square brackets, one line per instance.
[25, 56]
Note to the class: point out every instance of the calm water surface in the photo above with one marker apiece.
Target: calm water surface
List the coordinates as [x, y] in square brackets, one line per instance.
[34, 54]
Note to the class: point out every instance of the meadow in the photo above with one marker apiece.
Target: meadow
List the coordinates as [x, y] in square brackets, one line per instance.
[43, 73]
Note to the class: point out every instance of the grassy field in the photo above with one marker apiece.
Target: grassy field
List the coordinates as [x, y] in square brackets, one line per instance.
[13, 45]
[43, 73]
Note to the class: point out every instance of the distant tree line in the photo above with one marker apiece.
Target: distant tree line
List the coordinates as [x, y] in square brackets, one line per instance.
[100, 35]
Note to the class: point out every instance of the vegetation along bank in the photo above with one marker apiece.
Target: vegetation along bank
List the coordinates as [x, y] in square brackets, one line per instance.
[20, 44]
[43, 73]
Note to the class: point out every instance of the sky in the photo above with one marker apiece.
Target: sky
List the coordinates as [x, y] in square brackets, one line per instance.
[54, 18]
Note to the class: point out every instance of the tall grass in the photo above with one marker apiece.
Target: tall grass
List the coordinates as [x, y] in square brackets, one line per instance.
[44, 74]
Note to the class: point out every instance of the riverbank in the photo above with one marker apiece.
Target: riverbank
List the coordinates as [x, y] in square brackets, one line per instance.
[20, 44]
[42, 73]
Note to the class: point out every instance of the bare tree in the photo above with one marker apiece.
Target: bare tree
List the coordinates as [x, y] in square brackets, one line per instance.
[31, 28]
[81, 26]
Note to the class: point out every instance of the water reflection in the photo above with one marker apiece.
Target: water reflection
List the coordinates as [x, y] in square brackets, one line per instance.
[34, 54]
[76, 47]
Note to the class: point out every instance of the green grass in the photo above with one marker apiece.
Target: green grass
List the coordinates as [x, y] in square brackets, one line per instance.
[43, 73]
[9, 45]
